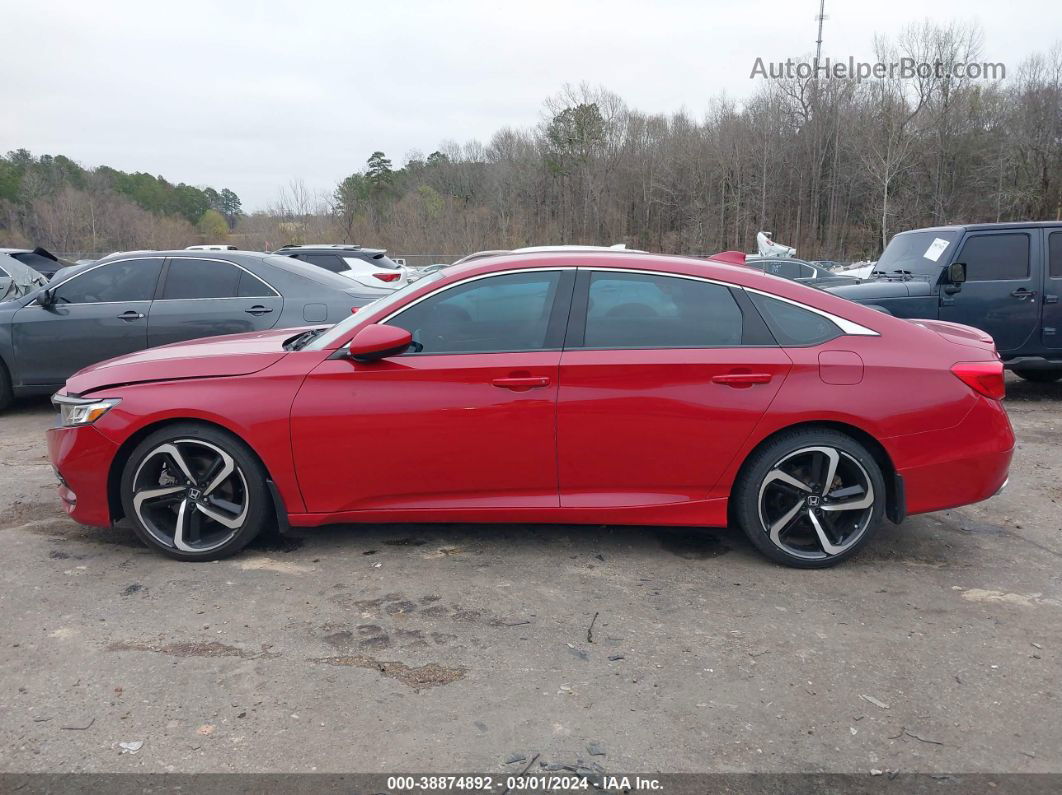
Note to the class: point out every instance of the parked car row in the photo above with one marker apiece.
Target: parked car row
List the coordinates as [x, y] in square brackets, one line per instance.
[741, 396]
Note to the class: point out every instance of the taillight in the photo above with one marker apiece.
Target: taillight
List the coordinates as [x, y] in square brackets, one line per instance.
[388, 277]
[984, 377]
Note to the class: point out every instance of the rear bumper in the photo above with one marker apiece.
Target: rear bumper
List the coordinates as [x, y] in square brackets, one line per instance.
[82, 459]
[958, 466]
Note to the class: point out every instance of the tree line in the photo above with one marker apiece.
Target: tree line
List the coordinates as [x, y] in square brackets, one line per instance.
[832, 167]
[54, 202]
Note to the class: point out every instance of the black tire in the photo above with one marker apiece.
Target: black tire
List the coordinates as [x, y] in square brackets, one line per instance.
[1039, 376]
[6, 392]
[219, 513]
[763, 499]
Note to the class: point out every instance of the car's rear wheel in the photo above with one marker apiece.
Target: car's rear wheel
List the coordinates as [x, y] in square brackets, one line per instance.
[1039, 376]
[810, 498]
[195, 492]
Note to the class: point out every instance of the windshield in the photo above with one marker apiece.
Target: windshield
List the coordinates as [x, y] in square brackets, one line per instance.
[342, 327]
[922, 253]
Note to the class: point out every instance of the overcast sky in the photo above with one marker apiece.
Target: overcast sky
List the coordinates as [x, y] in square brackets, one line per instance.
[250, 95]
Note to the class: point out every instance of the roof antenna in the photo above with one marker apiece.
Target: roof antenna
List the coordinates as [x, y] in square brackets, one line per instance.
[818, 42]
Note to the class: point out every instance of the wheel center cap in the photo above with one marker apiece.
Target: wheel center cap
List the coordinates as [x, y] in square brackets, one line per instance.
[194, 493]
[813, 501]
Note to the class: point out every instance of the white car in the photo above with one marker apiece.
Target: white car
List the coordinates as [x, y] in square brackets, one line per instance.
[368, 267]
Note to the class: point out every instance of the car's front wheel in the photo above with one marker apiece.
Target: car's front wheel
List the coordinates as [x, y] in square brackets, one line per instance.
[810, 498]
[195, 492]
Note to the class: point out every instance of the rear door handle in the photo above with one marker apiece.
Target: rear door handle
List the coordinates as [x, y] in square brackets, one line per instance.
[258, 310]
[741, 379]
[1022, 292]
[131, 315]
[521, 382]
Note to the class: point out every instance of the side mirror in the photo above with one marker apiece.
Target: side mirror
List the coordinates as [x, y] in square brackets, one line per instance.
[957, 272]
[377, 341]
[47, 297]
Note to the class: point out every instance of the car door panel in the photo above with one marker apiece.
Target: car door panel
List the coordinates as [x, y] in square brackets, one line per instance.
[361, 432]
[189, 307]
[661, 381]
[643, 427]
[1002, 292]
[482, 392]
[84, 326]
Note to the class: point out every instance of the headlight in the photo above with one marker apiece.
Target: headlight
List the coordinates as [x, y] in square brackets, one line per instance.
[80, 411]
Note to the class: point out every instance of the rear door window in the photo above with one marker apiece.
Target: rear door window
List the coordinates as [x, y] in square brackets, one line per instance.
[634, 310]
[200, 278]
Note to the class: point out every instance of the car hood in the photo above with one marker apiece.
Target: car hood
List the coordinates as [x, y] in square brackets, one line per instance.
[212, 357]
[881, 288]
[825, 282]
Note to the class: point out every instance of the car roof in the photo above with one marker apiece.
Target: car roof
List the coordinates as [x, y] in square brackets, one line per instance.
[985, 226]
[181, 252]
[336, 247]
[609, 258]
[574, 247]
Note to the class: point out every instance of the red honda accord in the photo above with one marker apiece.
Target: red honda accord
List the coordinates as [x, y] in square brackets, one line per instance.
[576, 387]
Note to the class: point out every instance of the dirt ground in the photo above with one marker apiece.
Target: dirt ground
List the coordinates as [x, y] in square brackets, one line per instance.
[456, 648]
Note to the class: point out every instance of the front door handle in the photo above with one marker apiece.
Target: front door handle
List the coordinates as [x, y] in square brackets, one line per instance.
[131, 315]
[740, 380]
[521, 382]
[258, 309]
[1022, 292]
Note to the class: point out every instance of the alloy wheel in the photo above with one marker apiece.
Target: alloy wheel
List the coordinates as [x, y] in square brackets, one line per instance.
[816, 502]
[190, 495]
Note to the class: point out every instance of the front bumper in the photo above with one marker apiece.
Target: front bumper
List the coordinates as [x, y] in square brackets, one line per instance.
[82, 459]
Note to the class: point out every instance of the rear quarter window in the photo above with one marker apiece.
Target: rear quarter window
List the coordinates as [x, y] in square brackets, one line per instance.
[794, 325]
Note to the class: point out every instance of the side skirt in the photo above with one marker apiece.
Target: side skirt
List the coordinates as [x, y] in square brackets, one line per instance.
[703, 513]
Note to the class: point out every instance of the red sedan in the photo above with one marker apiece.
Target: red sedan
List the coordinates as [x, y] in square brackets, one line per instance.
[577, 387]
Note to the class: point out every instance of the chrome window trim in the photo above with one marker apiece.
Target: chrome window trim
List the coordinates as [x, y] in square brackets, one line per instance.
[847, 327]
[276, 293]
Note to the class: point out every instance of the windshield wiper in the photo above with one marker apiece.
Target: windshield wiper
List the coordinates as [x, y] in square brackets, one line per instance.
[303, 339]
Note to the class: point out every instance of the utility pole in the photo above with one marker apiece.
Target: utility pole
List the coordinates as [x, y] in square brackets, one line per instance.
[818, 42]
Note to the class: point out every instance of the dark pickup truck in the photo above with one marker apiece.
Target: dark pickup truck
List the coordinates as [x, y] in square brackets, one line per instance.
[1005, 279]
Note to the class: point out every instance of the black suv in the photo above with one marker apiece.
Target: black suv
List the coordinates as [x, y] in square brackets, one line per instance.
[1005, 279]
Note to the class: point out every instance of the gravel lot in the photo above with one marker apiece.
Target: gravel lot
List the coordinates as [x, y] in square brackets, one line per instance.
[452, 648]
